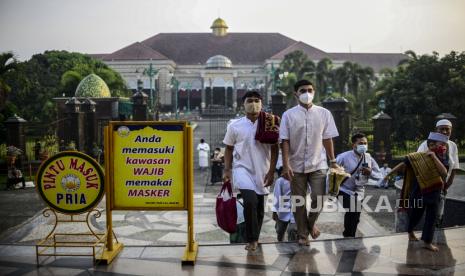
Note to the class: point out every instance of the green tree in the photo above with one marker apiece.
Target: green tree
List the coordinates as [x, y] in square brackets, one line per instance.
[7, 64]
[298, 67]
[70, 80]
[37, 81]
[421, 88]
[339, 78]
[323, 76]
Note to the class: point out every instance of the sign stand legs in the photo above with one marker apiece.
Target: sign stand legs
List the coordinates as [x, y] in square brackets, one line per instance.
[190, 253]
[112, 249]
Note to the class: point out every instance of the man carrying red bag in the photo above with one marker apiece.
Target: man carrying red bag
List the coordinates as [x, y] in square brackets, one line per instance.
[250, 163]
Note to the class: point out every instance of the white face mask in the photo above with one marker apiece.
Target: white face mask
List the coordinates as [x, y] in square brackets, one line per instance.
[306, 98]
[253, 108]
[362, 149]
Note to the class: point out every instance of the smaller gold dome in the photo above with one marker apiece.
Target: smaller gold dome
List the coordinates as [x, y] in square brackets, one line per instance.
[219, 23]
[219, 27]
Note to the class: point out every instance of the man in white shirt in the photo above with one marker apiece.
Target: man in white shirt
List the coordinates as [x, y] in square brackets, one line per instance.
[306, 134]
[250, 164]
[359, 163]
[204, 154]
[385, 170]
[444, 126]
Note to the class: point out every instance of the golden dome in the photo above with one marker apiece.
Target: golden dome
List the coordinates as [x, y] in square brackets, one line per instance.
[219, 27]
[219, 23]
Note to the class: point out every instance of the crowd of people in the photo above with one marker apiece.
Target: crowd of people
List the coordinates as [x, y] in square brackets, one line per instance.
[307, 157]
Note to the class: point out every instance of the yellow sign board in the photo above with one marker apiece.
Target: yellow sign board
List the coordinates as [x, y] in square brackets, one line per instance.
[70, 182]
[148, 164]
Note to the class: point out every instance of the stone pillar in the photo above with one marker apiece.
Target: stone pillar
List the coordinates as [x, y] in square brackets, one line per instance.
[88, 107]
[139, 110]
[382, 144]
[74, 125]
[203, 96]
[340, 109]
[278, 103]
[15, 128]
[226, 103]
[452, 119]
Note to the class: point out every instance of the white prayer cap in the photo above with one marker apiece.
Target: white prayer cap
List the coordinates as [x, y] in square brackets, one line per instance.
[436, 136]
[444, 122]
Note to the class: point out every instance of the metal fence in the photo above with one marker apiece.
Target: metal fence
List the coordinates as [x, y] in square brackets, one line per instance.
[218, 118]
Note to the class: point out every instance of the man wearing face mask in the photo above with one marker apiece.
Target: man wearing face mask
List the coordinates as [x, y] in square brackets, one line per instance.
[361, 167]
[424, 178]
[306, 134]
[451, 160]
[250, 165]
[445, 127]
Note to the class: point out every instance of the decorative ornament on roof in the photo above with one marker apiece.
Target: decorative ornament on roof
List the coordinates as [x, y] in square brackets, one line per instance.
[219, 27]
[92, 86]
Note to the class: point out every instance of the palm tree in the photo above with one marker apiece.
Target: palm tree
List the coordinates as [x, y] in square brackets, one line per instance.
[367, 78]
[7, 63]
[298, 63]
[323, 75]
[354, 71]
[339, 78]
[70, 81]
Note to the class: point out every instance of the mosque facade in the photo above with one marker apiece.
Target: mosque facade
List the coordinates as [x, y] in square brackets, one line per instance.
[217, 68]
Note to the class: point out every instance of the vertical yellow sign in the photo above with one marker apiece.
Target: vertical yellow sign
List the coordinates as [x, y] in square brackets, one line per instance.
[149, 171]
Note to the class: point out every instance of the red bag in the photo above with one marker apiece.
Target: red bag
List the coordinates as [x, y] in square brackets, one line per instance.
[267, 128]
[226, 212]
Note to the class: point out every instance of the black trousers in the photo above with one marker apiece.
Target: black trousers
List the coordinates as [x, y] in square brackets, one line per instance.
[217, 172]
[13, 181]
[351, 217]
[419, 204]
[254, 211]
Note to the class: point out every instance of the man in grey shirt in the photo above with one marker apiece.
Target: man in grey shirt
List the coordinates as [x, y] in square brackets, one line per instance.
[361, 166]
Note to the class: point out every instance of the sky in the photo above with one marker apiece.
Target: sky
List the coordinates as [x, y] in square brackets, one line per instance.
[104, 26]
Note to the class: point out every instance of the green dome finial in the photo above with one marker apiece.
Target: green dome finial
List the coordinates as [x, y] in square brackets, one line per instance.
[92, 86]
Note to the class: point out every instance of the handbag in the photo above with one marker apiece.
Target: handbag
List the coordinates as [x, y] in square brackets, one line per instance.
[337, 177]
[267, 128]
[226, 210]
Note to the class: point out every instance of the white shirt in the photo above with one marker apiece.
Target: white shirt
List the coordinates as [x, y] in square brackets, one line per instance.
[240, 211]
[356, 183]
[203, 149]
[282, 194]
[305, 130]
[385, 171]
[251, 159]
[453, 155]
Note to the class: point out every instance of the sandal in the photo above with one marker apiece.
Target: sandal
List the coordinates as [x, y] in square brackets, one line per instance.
[304, 242]
[251, 246]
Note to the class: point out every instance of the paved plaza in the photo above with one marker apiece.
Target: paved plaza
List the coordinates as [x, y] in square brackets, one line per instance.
[154, 242]
[388, 255]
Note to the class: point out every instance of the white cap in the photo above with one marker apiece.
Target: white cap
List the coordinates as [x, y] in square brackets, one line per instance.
[436, 136]
[444, 122]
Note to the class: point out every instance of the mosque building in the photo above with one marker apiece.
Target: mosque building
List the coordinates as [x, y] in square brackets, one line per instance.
[217, 68]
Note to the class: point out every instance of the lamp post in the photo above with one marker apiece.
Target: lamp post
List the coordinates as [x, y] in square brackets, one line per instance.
[175, 84]
[382, 105]
[151, 73]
